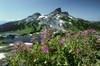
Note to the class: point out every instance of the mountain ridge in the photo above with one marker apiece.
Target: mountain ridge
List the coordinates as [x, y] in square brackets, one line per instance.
[57, 19]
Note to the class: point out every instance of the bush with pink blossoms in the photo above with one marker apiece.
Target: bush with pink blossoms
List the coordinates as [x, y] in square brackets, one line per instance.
[70, 50]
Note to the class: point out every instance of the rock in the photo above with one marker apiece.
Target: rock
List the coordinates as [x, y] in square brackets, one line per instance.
[11, 44]
[56, 11]
[33, 17]
[2, 55]
[2, 47]
[66, 13]
[28, 43]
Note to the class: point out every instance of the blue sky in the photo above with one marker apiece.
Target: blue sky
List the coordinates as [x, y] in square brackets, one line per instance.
[18, 9]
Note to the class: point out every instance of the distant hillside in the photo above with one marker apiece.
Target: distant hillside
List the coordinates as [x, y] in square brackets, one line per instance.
[97, 23]
[93, 21]
[56, 19]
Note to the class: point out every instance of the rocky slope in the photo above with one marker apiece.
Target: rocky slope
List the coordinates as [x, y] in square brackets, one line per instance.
[56, 19]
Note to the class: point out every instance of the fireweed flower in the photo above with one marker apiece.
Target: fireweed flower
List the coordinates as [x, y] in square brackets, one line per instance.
[52, 36]
[10, 57]
[42, 42]
[20, 43]
[70, 37]
[82, 33]
[52, 29]
[45, 50]
[62, 42]
[30, 47]
[68, 32]
[42, 48]
[31, 40]
[93, 52]
[78, 50]
[86, 42]
[86, 32]
[97, 44]
[78, 34]
[43, 35]
[92, 31]
[45, 30]
[19, 49]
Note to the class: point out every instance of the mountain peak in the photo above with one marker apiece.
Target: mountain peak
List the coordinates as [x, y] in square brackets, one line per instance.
[56, 11]
[33, 17]
[66, 13]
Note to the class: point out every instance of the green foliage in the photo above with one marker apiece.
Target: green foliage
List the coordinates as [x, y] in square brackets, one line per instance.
[70, 50]
[78, 24]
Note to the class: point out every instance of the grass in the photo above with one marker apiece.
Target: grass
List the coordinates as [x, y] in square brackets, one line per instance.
[26, 30]
[3, 44]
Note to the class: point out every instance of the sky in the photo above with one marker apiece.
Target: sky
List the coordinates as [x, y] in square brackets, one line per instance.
[11, 10]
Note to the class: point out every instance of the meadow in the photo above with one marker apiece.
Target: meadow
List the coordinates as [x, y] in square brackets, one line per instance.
[70, 49]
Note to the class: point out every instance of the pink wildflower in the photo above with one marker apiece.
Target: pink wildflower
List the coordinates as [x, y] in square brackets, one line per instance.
[98, 44]
[43, 35]
[70, 37]
[30, 47]
[86, 32]
[42, 48]
[52, 36]
[78, 34]
[86, 42]
[58, 40]
[52, 29]
[10, 57]
[45, 50]
[45, 42]
[45, 30]
[62, 42]
[92, 31]
[19, 49]
[78, 50]
[93, 52]
[42, 42]
[20, 42]
[82, 33]
[68, 32]
[31, 40]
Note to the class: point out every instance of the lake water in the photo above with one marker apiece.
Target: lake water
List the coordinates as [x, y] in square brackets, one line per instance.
[22, 38]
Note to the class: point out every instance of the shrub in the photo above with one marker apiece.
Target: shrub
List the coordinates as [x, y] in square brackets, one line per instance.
[71, 50]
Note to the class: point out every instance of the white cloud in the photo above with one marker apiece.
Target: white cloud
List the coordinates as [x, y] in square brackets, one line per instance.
[9, 20]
